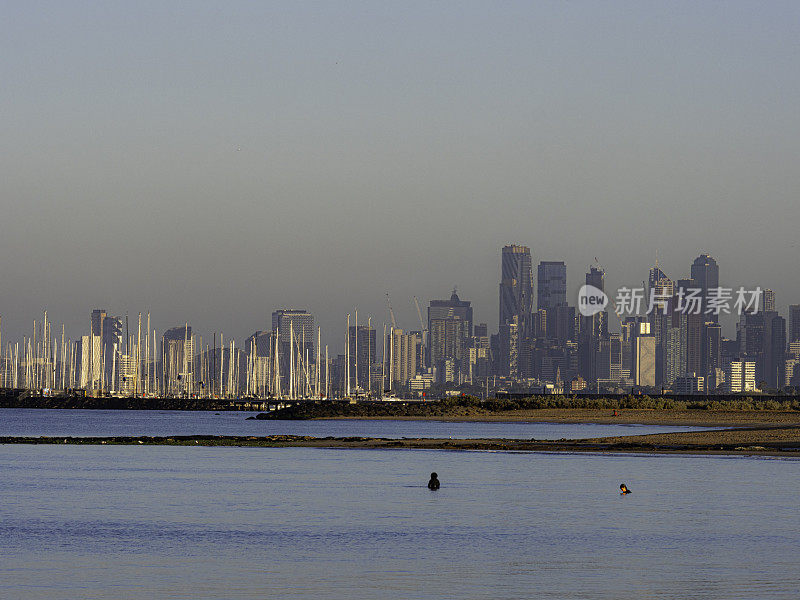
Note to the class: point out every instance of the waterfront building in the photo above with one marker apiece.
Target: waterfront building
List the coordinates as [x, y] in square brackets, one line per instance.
[740, 376]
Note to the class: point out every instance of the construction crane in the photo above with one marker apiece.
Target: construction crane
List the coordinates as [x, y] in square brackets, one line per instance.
[422, 327]
[391, 312]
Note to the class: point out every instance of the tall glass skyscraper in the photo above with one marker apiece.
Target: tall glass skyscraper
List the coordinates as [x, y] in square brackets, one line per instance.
[552, 285]
[705, 275]
[516, 286]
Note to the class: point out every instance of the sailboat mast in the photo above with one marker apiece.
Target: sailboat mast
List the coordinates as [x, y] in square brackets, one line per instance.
[347, 358]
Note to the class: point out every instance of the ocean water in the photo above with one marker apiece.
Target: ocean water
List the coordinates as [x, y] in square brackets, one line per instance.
[148, 522]
[76, 423]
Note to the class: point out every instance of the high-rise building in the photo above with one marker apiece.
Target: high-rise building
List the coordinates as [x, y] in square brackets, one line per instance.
[645, 351]
[705, 275]
[774, 349]
[449, 331]
[177, 355]
[712, 348]
[362, 355]
[104, 353]
[793, 334]
[593, 332]
[655, 275]
[403, 350]
[661, 292]
[516, 286]
[596, 277]
[768, 303]
[259, 343]
[301, 325]
[552, 286]
[301, 322]
[740, 376]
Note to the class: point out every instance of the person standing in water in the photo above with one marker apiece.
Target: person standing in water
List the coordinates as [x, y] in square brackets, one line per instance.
[623, 489]
[434, 484]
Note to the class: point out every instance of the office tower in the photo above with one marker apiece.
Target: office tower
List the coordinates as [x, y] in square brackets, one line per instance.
[402, 356]
[691, 321]
[454, 307]
[301, 324]
[596, 277]
[694, 344]
[768, 302]
[449, 331]
[774, 349]
[362, 355]
[259, 343]
[516, 294]
[448, 343]
[750, 334]
[551, 292]
[177, 356]
[258, 348]
[509, 349]
[593, 330]
[712, 348]
[655, 275]
[793, 335]
[103, 354]
[705, 275]
[660, 292]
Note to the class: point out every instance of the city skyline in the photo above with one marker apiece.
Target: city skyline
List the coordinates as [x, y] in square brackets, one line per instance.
[669, 338]
[14, 327]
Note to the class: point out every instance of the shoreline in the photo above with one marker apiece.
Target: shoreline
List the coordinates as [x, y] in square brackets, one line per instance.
[625, 416]
[697, 417]
[769, 441]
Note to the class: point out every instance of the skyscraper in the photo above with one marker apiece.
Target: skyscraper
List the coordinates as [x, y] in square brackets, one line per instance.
[450, 328]
[594, 330]
[552, 282]
[769, 301]
[177, 356]
[362, 355]
[551, 293]
[516, 285]
[774, 349]
[705, 275]
[301, 324]
[794, 323]
[402, 356]
[105, 350]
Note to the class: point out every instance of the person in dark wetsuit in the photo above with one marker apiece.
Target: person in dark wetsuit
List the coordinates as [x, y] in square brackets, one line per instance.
[434, 484]
[624, 489]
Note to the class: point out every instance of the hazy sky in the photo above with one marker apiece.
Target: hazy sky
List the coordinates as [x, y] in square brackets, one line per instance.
[211, 162]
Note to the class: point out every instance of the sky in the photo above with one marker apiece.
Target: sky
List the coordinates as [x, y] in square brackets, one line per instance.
[211, 162]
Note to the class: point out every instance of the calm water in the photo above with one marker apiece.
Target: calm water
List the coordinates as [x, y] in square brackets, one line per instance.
[174, 522]
[33, 422]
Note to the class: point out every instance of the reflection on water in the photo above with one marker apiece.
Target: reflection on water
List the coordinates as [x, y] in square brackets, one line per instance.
[33, 422]
[177, 522]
